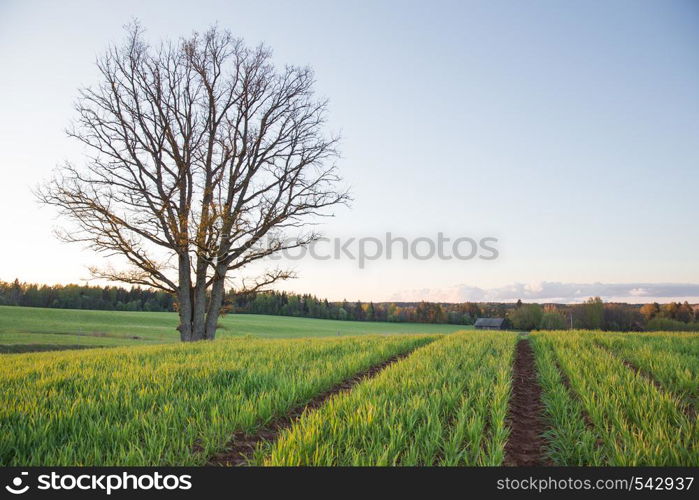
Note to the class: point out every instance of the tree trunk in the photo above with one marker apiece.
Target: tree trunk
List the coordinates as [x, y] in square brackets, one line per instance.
[199, 306]
[192, 302]
[184, 298]
[185, 313]
[199, 316]
[192, 312]
[215, 303]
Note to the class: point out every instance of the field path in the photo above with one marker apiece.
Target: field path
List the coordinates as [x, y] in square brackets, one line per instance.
[242, 446]
[526, 445]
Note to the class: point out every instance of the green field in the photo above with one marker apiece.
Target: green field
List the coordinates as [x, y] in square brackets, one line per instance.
[174, 404]
[620, 407]
[607, 399]
[444, 405]
[33, 329]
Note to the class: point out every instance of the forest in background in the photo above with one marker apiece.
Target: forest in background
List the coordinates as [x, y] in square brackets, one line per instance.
[591, 314]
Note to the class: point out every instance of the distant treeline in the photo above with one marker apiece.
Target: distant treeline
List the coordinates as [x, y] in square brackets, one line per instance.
[592, 314]
[109, 298]
[310, 306]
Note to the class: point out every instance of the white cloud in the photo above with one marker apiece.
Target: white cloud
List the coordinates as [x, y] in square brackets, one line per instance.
[552, 291]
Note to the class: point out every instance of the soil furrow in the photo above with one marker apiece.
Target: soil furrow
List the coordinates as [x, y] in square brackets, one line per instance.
[242, 445]
[526, 444]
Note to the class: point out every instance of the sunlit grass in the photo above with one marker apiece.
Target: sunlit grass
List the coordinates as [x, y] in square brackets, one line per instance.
[636, 422]
[444, 405]
[32, 325]
[159, 405]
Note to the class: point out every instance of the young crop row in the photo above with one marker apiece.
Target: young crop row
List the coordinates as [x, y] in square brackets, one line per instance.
[681, 342]
[608, 414]
[444, 405]
[175, 404]
[571, 438]
[674, 368]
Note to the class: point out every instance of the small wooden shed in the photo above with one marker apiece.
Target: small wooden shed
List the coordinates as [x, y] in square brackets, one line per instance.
[490, 324]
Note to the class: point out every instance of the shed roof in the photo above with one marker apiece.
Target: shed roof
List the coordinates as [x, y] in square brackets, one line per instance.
[491, 322]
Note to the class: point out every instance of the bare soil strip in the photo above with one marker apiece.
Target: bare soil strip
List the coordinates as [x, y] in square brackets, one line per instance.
[686, 406]
[526, 445]
[242, 446]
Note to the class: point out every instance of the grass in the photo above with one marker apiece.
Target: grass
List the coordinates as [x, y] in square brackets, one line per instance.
[570, 440]
[633, 422]
[671, 363]
[167, 405]
[67, 327]
[443, 405]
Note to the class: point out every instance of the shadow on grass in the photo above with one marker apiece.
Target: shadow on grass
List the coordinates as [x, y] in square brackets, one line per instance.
[22, 348]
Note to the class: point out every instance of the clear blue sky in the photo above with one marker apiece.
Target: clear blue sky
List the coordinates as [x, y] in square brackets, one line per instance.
[569, 130]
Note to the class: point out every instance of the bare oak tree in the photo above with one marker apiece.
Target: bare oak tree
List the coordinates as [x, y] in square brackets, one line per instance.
[203, 157]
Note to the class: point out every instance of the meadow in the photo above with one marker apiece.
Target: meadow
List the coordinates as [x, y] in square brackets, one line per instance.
[25, 329]
[602, 399]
